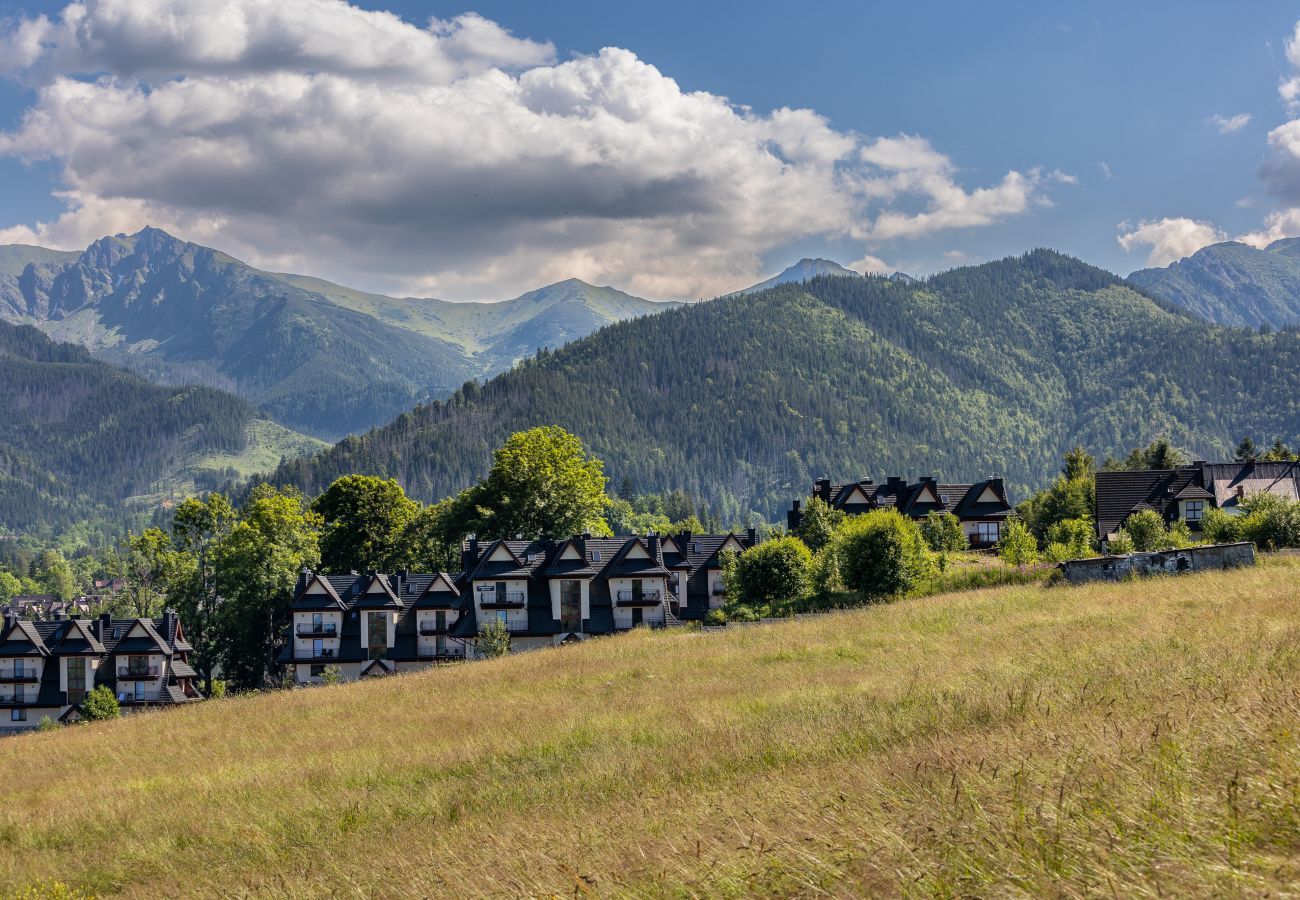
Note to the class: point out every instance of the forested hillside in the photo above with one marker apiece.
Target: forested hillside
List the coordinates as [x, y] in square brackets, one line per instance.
[998, 368]
[79, 436]
[316, 356]
[1233, 283]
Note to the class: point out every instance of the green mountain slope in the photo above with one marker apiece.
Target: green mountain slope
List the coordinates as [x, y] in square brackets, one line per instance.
[991, 369]
[317, 356]
[80, 436]
[1233, 284]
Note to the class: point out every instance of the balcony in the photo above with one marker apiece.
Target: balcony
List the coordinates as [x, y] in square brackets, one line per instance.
[429, 629]
[324, 630]
[150, 696]
[12, 696]
[137, 673]
[24, 674]
[632, 598]
[325, 655]
[498, 600]
[446, 654]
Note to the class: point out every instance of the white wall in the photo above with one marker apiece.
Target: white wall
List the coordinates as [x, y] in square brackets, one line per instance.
[651, 615]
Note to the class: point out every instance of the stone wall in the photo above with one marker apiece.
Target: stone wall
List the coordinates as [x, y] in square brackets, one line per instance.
[1161, 562]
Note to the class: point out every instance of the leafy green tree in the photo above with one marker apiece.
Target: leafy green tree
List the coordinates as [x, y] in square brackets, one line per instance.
[257, 567]
[1079, 463]
[100, 704]
[542, 482]
[146, 563]
[1269, 521]
[1159, 454]
[818, 523]
[493, 639]
[1018, 546]
[425, 544]
[10, 586]
[623, 517]
[1071, 496]
[1178, 535]
[1147, 529]
[881, 554]
[1069, 539]
[198, 528]
[773, 578]
[1246, 451]
[943, 532]
[364, 522]
[1219, 527]
[55, 575]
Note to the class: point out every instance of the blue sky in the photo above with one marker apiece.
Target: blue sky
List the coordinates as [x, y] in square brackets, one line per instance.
[1117, 95]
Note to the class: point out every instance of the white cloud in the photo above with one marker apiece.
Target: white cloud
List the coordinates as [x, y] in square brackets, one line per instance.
[1170, 239]
[1229, 124]
[454, 160]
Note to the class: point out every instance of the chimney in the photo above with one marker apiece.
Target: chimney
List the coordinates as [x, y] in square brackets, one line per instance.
[793, 518]
[105, 626]
[751, 536]
[822, 488]
[9, 619]
[169, 624]
[652, 544]
[927, 479]
[894, 483]
[469, 552]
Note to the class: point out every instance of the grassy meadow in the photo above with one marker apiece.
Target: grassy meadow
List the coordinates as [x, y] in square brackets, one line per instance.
[1129, 740]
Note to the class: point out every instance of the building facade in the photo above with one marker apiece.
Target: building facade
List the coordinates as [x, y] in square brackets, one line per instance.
[546, 592]
[1185, 493]
[982, 507]
[48, 667]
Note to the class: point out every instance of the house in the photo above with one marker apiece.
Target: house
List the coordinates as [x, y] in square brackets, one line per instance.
[982, 507]
[47, 606]
[1188, 491]
[547, 591]
[47, 667]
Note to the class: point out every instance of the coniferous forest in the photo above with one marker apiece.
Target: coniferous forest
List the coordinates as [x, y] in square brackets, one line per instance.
[992, 369]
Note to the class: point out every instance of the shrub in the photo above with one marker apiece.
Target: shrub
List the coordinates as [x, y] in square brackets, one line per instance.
[826, 579]
[100, 704]
[942, 531]
[715, 617]
[1219, 527]
[1147, 529]
[218, 689]
[773, 577]
[1071, 537]
[1179, 535]
[493, 639]
[1018, 546]
[1122, 543]
[881, 554]
[331, 675]
[48, 724]
[1270, 521]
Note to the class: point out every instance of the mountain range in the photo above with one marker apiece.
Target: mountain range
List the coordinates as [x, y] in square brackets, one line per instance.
[804, 270]
[83, 439]
[316, 356]
[1233, 283]
[991, 369]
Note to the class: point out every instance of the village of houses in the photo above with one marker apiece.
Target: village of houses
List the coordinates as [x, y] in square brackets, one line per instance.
[545, 592]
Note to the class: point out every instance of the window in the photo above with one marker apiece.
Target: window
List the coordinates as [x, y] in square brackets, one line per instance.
[503, 616]
[20, 668]
[317, 671]
[440, 642]
[76, 679]
[570, 605]
[638, 590]
[988, 532]
[317, 647]
[138, 665]
[595, 556]
[17, 715]
[377, 634]
[1194, 510]
[317, 622]
[139, 690]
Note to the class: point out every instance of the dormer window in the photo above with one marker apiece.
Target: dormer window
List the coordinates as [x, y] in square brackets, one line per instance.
[595, 556]
[695, 548]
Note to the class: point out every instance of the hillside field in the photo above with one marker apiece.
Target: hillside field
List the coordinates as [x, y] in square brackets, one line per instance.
[1132, 740]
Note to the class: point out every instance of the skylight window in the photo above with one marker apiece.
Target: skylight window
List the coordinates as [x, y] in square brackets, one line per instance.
[595, 556]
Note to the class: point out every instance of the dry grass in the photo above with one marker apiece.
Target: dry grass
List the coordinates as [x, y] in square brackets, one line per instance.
[1129, 740]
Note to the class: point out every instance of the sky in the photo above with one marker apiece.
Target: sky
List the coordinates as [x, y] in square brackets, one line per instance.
[673, 149]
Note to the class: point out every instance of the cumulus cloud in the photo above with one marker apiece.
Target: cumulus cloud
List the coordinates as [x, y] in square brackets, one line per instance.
[1229, 124]
[455, 159]
[1169, 239]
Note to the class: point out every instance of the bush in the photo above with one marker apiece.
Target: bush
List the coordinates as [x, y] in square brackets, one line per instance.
[218, 689]
[48, 724]
[1018, 546]
[774, 577]
[1270, 521]
[942, 531]
[1178, 536]
[100, 704]
[1219, 527]
[715, 617]
[331, 675]
[881, 554]
[1147, 529]
[1122, 543]
[1070, 539]
[493, 639]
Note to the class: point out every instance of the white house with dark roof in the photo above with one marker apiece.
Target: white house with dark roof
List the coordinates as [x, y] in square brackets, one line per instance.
[48, 667]
[546, 591]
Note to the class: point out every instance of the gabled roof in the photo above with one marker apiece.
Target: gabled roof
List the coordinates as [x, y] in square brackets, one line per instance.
[71, 637]
[139, 636]
[576, 565]
[440, 591]
[510, 567]
[1193, 491]
[623, 565]
[23, 639]
[319, 600]
[378, 594]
